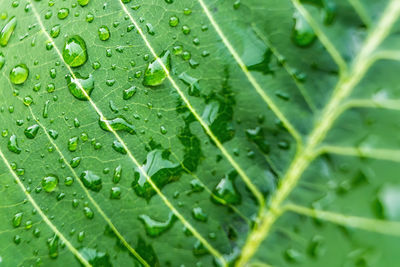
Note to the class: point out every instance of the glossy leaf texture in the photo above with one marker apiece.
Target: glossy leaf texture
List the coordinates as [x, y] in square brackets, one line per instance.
[199, 133]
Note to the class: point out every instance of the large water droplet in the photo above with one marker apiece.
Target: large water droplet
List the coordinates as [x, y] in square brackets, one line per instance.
[117, 124]
[19, 74]
[95, 257]
[75, 52]
[13, 144]
[302, 34]
[49, 182]
[155, 228]
[91, 181]
[129, 92]
[155, 73]
[118, 147]
[83, 2]
[32, 131]
[389, 202]
[75, 85]
[7, 31]
[225, 192]
[159, 168]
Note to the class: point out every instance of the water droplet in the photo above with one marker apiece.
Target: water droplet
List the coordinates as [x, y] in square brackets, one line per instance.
[17, 239]
[115, 192]
[199, 214]
[63, 13]
[185, 30]
[17, 219]
[316, 247]
[68, 181]
[225, 192]
[88, 212]
[2, 60]
[7, 31]
[55, 31]
[32, 131]
[294, 255]
[150, 29]
[49, 182]
[199, 249]
[196, 186]
[27, 100]
[75, 52]
[117, 174]
[117, 124]
[83, 2]
[302, 33]
[191, 82]
[257, 136]
[118, 147]
[53, 134]
[73, 143]
[75, 85]
[129, 92]
[91, 181]
[19, 74]
[161, 170]
[95, 257]
[155, 228]
[53, 73]
[173, 21]
[388, 199]
[104, 33]
[89, 17]
[155, 73]
[53, 246]
[13, 144]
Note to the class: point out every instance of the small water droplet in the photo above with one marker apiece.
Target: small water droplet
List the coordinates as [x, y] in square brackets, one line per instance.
[88, 212]
[115, 192]
[104, 33]
[199, 214]
[17, 219]
[73, 144]
[117, 174]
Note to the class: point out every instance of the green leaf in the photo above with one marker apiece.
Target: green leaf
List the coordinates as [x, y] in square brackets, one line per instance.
[199, 133]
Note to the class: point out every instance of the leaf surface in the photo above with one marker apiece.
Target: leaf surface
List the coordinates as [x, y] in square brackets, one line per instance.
[192, 133]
